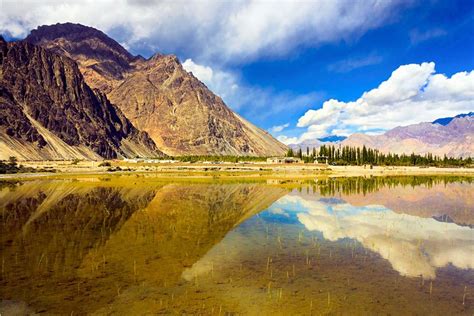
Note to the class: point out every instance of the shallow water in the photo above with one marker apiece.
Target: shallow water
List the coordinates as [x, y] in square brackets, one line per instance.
[136, 245]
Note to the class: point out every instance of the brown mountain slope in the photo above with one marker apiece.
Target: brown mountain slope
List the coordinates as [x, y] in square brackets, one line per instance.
[455, 139]
[179, 112]
[49, 112]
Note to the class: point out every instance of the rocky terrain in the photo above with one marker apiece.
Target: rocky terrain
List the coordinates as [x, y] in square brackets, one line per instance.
[179, 112]
[49, 112]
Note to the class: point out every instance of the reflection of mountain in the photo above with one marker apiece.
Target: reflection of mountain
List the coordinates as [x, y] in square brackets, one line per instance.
[68, 241]
[47, 229]
[452, 199]
[441, 197]
[414, 246]
[177, 228]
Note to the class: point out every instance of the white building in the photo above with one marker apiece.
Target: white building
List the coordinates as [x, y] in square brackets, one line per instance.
[283, 160]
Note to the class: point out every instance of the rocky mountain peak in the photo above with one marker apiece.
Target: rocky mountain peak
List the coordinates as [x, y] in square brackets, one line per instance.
[102, 60]
[77, 39]
[181, 115]
[49, 112]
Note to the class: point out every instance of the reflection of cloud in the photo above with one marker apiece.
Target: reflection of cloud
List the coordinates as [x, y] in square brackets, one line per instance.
[278, 211]
[217, 257]
[414, 246]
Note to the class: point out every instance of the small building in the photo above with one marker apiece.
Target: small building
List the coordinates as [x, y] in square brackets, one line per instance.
[283, 160]
[321, 160]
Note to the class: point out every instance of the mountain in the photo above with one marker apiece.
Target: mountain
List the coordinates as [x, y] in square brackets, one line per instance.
[178, 111]
[309, 143]
[455, 139]
[49, 112]
[316, 143]
[447, 120]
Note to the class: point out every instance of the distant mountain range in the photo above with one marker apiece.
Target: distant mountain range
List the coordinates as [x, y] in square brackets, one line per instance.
[69, 91]
[452, 136]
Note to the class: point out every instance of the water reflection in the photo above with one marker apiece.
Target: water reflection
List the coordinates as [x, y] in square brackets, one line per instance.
[414, 246]
[134, 245]
[66, 241]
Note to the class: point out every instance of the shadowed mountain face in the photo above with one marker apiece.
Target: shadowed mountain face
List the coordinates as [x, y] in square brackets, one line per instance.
[49, 112]
[179, 112]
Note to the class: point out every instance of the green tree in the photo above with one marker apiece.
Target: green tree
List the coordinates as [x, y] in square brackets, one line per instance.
[12, 161]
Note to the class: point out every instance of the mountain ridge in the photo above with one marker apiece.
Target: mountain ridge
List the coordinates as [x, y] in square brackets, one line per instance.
[158, 95]
[447, 120]
[49, 112]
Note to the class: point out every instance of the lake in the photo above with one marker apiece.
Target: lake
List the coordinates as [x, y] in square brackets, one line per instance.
[135, 244]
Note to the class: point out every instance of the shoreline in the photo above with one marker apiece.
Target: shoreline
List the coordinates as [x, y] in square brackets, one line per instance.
[227, 170]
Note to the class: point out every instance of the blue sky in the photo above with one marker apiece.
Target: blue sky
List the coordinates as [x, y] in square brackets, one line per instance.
[297, 68]
[442, 32]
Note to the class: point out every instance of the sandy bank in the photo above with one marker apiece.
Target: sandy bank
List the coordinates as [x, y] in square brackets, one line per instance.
[229, 170]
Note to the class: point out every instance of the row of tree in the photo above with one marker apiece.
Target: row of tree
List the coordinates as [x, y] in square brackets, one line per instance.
[347, 155]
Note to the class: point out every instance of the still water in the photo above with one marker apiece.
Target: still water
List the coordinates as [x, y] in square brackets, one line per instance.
[131, 245]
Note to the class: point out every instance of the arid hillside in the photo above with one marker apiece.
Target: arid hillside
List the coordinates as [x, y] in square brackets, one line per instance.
[179, 112]
[49, 112]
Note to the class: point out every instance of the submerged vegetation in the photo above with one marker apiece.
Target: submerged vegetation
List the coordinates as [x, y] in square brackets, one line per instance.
[347, 155]
[137, 244]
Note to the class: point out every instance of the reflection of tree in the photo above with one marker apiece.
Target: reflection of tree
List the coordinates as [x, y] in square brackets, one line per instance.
[363, 185]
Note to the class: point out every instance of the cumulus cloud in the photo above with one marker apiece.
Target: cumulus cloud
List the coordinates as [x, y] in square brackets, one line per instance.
[414, 93]
[229, 31]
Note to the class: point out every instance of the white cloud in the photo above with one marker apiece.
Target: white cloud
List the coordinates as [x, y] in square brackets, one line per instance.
[396, 237]
[417, 36]
[228, 31]
[254, 103]
[203, 73]
[287, 140]
[279, 128]
[414, 93]
[223, 83]
[349, 64]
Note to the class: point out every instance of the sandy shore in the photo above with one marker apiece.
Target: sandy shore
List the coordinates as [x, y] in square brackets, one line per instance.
[67, 168]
